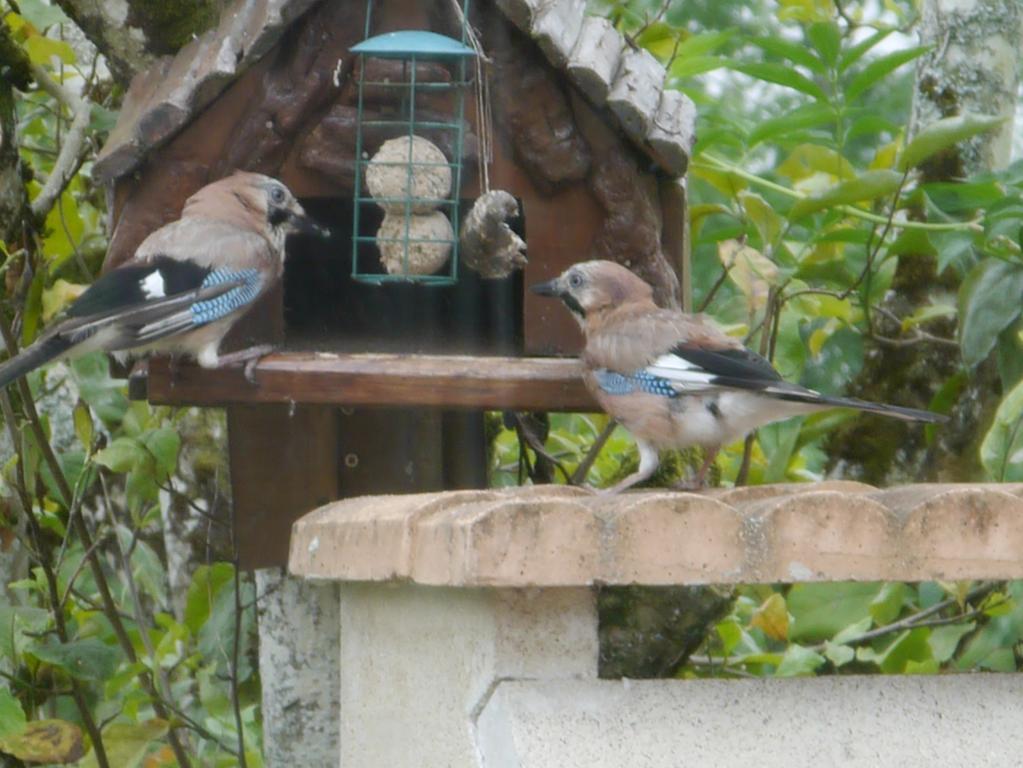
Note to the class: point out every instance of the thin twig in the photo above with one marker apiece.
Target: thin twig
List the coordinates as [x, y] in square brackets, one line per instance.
[581, 471]
[534, 442]
[714, 288]
[236, 651]
[922, 618]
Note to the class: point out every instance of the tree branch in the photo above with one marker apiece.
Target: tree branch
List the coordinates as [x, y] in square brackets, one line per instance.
[70, 157]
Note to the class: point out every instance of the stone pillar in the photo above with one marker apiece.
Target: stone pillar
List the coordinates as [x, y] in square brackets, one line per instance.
[299, 668]
[422, 662]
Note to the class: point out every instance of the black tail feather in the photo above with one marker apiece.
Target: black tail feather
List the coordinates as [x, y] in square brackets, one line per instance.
[32, 357]
[894, 411]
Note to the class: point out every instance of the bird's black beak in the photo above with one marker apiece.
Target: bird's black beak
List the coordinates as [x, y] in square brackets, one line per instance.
[550, 288]
[303, 224]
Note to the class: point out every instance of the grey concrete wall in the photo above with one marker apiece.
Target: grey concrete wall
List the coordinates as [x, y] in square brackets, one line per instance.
[881, 721]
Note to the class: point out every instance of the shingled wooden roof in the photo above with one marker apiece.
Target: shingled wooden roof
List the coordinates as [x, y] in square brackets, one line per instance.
[592, 54]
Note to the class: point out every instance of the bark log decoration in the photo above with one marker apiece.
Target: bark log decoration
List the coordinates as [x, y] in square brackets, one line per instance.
[534, 111]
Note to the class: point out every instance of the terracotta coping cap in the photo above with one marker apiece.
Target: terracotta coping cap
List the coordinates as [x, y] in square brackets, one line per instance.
[561, 536]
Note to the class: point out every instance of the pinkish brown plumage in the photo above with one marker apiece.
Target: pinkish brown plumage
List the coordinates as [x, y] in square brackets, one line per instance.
[676, 380]
[187, 283]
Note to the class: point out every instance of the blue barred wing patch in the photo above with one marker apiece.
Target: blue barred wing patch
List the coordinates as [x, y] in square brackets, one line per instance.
[213, 309]
[639, 381]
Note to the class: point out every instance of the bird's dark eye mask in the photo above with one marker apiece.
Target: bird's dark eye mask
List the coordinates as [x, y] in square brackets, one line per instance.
[573, 305]
[277, 216]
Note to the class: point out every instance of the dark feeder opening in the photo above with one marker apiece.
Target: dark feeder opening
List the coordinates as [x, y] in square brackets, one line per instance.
[325, 309]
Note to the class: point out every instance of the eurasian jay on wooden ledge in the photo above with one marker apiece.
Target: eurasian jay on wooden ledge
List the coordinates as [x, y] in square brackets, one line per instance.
[187, 283]
[676, 380]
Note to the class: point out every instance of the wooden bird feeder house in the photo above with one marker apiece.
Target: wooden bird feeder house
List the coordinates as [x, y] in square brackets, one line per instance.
[384, 372]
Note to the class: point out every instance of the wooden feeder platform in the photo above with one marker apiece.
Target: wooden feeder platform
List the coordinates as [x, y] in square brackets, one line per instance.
[395, 380]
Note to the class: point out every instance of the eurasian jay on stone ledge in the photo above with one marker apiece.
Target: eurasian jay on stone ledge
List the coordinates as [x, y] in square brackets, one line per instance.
[187, 283]
[676, 380]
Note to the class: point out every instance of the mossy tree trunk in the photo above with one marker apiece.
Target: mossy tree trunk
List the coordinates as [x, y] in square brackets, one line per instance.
[132, 33]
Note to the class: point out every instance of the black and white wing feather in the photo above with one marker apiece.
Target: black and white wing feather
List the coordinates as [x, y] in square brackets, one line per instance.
[690, 369]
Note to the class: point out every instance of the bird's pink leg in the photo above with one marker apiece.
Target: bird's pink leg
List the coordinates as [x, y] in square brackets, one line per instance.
[699, 480]
[649, 458]
[249, 356]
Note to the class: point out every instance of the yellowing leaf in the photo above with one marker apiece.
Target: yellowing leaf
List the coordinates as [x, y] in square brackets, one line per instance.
[128, 744]
[58, 296]
[46, 741]
[83, 424]
[772, 617]
[161, 758]
[808, 11]
[749, 269]
[763, 216]
[42, 49]
[818, 339]
[884, 158]
[724, 182]
[808, 159]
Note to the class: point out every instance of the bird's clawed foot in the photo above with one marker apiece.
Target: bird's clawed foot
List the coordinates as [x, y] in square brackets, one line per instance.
[698, 481]
[250, 357]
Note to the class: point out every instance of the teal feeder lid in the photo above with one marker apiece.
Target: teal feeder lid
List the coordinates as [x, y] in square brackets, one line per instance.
[413, 42]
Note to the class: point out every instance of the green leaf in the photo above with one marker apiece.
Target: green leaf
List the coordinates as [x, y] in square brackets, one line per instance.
[827, 39]
[778, 442]
[878, 68]
[942, 134]
[855, 53]
[88, 659]
[697, 65]
[924, 314]
[46, 741]
[801, 118]
[12, 716]
[730, 633]
[781, 74]
[15, 622]
[989, 301]
[838, 654]
[104, 394]
[42, 15]
[1009, 349]
[121, 455]
[910, 645]
[794, 52]
[798, 662]
[869, 186]
[945, 640]
[703, 43]
[1001, 452]
[820, 611]
[164, 444]
[207, 581]
[887, 606]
